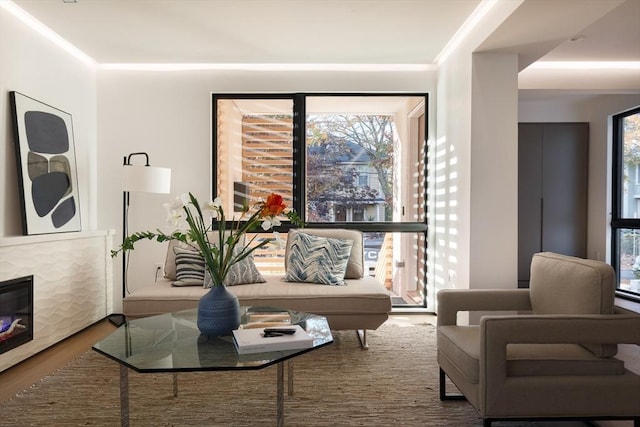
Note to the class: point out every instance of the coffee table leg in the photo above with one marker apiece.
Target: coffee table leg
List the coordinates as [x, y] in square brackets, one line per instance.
[124, 396]
[175, 384]
[290, 377]
[280, 395]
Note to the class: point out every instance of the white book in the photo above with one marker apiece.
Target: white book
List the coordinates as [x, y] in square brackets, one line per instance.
[252, 340]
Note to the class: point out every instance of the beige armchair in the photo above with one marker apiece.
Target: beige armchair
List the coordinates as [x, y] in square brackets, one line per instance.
[552, 357]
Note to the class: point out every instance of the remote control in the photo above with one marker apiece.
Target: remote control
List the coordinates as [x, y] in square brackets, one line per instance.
[286, 331]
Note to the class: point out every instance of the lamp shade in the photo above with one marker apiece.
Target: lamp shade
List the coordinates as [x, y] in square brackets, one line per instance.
[146, 179]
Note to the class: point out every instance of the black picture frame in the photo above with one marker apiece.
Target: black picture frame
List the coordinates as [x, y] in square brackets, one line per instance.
[46, 165]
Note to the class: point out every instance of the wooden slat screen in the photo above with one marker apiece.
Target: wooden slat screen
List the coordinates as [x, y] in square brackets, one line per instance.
[267, 156]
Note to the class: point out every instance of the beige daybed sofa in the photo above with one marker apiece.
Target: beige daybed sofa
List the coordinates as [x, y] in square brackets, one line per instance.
[362, 304]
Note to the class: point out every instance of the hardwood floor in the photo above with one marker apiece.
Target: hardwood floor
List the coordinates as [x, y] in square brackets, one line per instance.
[30, 371]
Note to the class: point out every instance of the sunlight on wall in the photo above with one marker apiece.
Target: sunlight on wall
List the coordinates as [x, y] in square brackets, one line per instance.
[444, 222]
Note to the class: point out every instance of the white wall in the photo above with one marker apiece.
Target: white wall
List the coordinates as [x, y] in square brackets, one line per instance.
[37, 68]
[472, 242]
[494, 171]
[168, 115]
[596, 109]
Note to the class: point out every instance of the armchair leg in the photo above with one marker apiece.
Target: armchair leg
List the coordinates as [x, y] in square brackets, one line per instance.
[443, 390]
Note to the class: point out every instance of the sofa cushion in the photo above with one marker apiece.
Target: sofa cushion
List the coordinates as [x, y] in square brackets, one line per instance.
[355, 265]
[363, 304]
[189, 266]
[315, 259]
[461, 344]
[243, 272]
[563, 284]
[170, 259]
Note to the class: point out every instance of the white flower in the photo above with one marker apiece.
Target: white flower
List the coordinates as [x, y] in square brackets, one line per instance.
[173, 217]
[174, 210]
[214, 207]
[270, 222]
[277, 241]
[177, 203]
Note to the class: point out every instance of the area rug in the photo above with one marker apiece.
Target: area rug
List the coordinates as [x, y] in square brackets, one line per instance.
[394, 383]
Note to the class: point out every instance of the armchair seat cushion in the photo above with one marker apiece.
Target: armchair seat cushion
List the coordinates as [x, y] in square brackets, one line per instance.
[461, 344]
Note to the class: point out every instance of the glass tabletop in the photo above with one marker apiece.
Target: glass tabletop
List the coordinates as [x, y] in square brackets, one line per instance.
[172, 342]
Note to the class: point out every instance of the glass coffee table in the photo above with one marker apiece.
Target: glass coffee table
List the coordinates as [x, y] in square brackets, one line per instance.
[172, 343]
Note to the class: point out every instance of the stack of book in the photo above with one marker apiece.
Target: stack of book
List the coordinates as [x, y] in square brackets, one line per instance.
[261, 340]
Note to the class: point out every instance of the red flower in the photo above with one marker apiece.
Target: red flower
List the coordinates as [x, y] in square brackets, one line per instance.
[273, 206]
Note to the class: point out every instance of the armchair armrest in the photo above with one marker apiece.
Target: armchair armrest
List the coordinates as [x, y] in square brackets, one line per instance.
[451, 301]
[496, 332]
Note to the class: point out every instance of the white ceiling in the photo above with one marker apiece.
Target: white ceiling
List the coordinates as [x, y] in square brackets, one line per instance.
[343, 31]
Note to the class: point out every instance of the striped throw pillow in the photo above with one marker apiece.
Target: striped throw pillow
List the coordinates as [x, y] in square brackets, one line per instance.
[189, 267]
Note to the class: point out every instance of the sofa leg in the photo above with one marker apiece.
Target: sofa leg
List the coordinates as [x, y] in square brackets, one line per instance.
[362, 337]
[443, 389]
[486, 422]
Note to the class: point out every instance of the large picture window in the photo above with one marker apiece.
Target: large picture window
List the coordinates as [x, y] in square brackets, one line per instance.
[625, 224]
[340, 160]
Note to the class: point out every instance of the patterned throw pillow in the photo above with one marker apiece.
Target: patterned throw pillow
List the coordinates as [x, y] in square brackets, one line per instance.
[189, 267]
[243, 273]
[315, 259]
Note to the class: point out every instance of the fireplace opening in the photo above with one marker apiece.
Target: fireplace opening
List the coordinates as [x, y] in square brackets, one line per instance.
[16, 312]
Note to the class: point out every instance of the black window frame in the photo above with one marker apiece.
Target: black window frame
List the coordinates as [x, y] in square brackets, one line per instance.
[299, 162]
[617, 185]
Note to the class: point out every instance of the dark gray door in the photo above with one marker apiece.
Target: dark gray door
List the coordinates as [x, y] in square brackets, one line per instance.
[552, 191]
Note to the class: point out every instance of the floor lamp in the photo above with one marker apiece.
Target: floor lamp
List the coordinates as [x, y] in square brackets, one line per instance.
[145, 179]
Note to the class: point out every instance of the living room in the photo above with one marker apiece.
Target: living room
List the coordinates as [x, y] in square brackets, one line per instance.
[478, 94]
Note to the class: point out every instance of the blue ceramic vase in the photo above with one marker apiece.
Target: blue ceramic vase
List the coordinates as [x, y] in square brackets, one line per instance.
[218, 312]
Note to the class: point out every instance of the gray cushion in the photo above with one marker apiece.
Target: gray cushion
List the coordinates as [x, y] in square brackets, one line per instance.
[243, 272]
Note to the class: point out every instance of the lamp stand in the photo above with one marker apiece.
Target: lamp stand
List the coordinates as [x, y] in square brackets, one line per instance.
[143, 179]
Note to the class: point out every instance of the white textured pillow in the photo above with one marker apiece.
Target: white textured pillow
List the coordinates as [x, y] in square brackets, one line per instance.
[244, 272]
[315, 259]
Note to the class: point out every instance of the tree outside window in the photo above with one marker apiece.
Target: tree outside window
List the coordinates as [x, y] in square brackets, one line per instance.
[349, 167]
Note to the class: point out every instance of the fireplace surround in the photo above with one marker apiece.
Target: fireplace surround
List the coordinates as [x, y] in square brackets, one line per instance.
[72, 284]
[16, 312]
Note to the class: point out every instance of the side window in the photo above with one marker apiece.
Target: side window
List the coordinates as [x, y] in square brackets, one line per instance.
[625, 222]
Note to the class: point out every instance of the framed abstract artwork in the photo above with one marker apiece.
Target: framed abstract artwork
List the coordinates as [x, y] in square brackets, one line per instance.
[46, 164]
